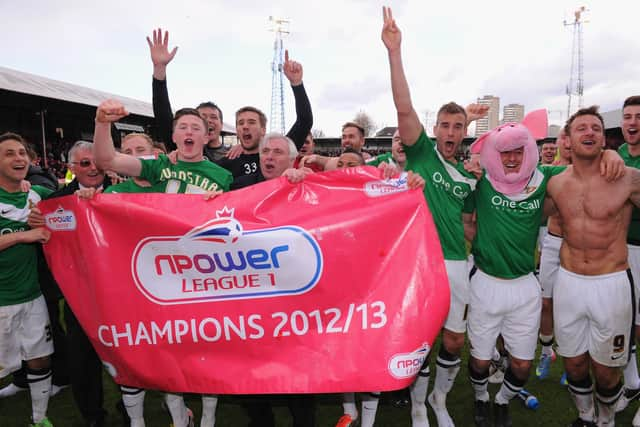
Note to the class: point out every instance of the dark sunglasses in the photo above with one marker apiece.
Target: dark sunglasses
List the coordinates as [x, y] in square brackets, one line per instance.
[85, 163]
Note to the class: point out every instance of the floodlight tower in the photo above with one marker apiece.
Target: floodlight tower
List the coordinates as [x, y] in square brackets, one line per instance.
[575, 88]
[276, 121]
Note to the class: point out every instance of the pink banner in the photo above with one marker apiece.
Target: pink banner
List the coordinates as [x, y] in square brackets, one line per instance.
[335, 284]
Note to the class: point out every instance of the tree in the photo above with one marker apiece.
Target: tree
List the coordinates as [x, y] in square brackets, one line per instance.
[367, 123]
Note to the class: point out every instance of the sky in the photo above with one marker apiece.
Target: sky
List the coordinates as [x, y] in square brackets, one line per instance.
[452, 51]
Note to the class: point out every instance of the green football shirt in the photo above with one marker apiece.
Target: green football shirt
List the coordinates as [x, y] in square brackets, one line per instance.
[185, 177]
[382, 158]
[633, 236]
[507, 226]
[18, 263]
[447, 185]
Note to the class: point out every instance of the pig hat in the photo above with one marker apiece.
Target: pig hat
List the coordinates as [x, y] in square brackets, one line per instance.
[507, 137]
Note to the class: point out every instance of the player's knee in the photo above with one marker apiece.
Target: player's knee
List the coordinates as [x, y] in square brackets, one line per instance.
[452, 342]
[479, 366]
[520, 367]
[576, 367]
[39, 363]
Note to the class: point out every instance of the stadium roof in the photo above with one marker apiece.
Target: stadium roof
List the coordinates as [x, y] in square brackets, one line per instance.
[30, 84]
[18, 81]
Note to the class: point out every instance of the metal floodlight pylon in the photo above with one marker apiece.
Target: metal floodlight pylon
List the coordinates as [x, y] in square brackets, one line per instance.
[276, 119]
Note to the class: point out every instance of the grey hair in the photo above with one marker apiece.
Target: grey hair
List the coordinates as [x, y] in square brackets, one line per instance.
[293, 151]
[79, 145]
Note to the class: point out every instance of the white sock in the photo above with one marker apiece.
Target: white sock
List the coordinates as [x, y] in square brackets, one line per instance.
[349, 405]
[133, 399]
[509, 389]
[418, 392]
[631, 379]
[40, 387]
[582, 395]
[607, 405]
[369, 408]
[177, 409]
[209, 404]
[446, 372]
[546, 341]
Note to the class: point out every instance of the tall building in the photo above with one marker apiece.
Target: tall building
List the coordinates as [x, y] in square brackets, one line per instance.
[513, 113]
[492, 119]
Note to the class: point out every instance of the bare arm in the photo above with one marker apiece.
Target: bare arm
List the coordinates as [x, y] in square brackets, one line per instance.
[469, 223]
[36, 235]
[106, 156]
[549, 207]
[635, 186]
[409, 125]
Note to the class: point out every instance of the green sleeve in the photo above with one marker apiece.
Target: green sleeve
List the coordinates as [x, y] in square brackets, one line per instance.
[42, 191]
[152, 168]
[379, 159]
[470, 203]
[422, 147]
[228, 179]
[550, 171]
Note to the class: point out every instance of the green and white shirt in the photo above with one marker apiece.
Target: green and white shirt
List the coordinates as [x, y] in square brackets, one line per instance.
[184, 177]
[507, 226]
[633, 236]
[446, 188]
[19, 263]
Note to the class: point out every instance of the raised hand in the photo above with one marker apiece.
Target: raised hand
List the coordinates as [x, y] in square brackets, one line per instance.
[110, 111]
[476, 111]
[292, 70]
[159, 48]
[391, 35]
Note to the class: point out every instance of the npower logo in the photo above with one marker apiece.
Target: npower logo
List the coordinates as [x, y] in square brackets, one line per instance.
[61, 220]
[406, 365]
[218, 260]
[387, 186]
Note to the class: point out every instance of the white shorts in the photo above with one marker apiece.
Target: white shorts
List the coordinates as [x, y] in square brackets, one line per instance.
[25, 334]
[593, 314]
[510, 308]
[549, 263]
[542, 231]
[634, 265]
[458, 273]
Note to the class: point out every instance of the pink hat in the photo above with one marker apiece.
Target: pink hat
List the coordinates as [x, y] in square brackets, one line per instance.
[507, 137]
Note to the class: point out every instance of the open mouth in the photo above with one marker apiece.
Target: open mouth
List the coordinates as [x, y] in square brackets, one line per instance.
[632, 131]
[588, 142]
[188, 142]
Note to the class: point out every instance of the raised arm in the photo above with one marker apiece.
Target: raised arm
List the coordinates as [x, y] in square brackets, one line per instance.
[409, 125]
[106, 156]
[304, 117]
[160, 56]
